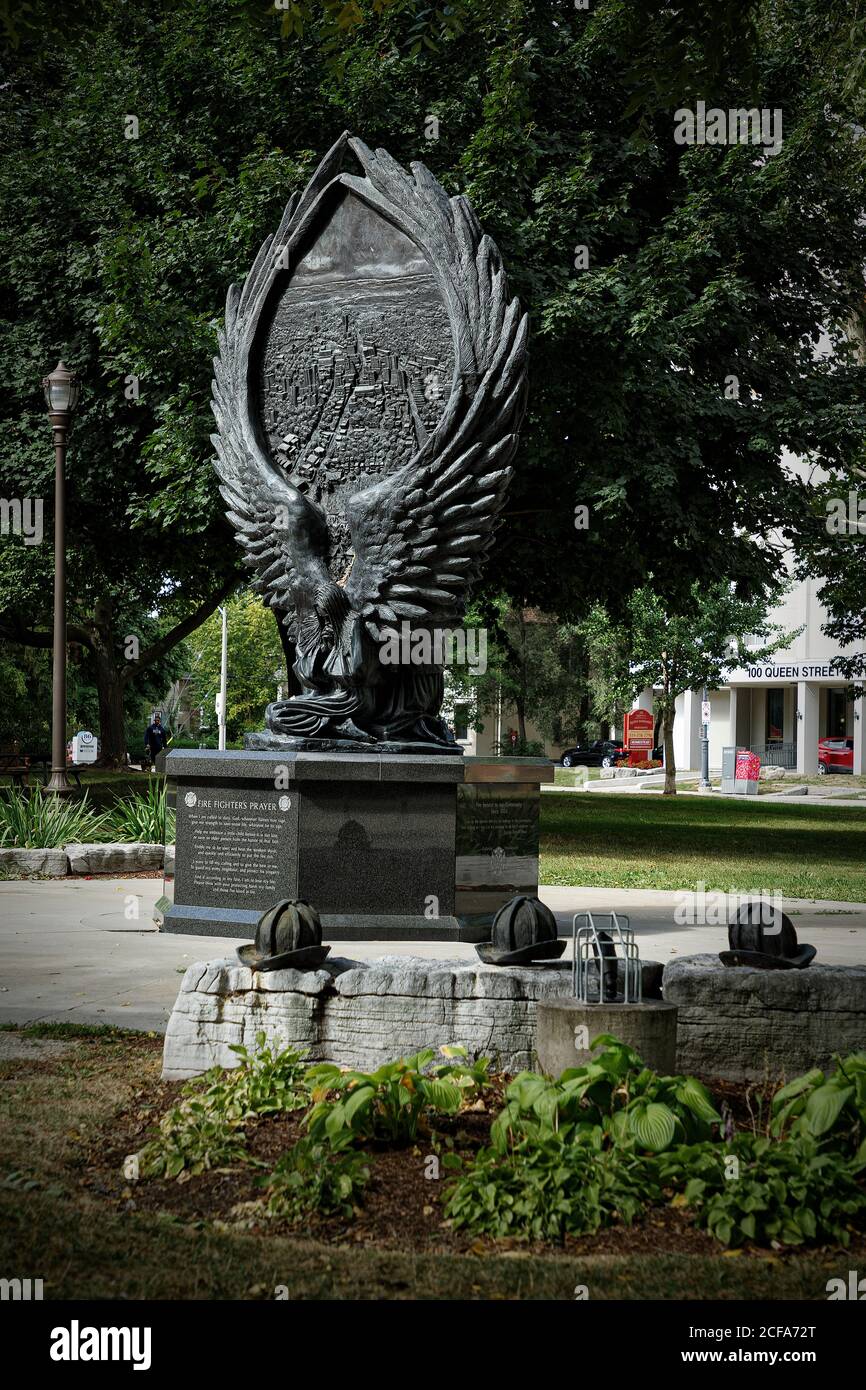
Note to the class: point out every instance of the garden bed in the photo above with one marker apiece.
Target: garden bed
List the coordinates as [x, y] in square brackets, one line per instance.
[68, 1122]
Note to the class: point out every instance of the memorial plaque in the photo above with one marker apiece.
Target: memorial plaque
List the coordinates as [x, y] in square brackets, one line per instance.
[369, 842]
[497, 839]
[237, 843]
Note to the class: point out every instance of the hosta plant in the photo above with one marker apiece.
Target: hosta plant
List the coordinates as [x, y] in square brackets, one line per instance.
[205, 1128]
[544, 1189]
[630, 1103]
[388, 1103]
[830, 1108]
[314, 1177]
[191, 1137]
[764, 1191]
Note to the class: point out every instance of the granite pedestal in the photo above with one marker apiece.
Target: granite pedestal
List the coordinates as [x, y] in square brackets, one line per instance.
[498, 805]
[385, 846]
[367, 839]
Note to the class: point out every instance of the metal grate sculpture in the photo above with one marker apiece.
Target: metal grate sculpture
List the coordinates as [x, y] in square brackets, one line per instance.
[596, 961]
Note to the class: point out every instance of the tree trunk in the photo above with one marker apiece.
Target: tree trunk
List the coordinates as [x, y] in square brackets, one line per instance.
[112, 720]
[521, 720]
[109, 686]
[670, 765]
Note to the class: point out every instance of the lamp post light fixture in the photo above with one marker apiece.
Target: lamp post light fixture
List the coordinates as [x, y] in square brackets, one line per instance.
[61, 396]
[704, 783]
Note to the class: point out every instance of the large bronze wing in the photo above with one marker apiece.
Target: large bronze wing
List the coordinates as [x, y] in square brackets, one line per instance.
[420, 534]
[283, 534]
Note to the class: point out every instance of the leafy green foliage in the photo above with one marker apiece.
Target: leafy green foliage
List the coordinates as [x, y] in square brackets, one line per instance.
[388, 1103]
[192, 1136]
[614, 1094]
[543, 1189]
[204, 1129]
[266, 1081]
[256, 663]
[830, 1108]
[761, 1191]
[143, 815]
[313, 1176]
[704, 262]
[38, 819]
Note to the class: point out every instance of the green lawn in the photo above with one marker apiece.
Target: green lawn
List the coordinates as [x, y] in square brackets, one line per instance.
[636, 841]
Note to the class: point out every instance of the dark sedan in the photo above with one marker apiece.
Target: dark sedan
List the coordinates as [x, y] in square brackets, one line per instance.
[604, 752]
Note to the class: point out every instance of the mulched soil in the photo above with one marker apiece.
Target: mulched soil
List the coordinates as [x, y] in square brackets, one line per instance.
[402, 1209]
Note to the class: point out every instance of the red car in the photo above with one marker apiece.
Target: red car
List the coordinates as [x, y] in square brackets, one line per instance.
[835, 755]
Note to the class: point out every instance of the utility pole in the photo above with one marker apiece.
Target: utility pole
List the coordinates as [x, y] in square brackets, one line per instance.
[221, 707]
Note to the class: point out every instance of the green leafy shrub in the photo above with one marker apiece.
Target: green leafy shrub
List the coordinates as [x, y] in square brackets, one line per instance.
[766, 1191]
[191, 1137]
[831, 1108]
[388, 1103]
[266, 1080]
[40, 820]
[314, 1176]
[545, 1189]
[143, 816]
[614, 1092]
[204, 1129]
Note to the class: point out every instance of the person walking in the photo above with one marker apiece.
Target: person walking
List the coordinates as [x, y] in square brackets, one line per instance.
[156, 738]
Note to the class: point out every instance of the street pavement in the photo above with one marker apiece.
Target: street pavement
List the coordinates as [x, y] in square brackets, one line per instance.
[88, 951]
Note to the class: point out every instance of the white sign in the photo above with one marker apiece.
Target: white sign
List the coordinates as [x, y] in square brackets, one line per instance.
[792, 673]
[85, 747]
[705, 711]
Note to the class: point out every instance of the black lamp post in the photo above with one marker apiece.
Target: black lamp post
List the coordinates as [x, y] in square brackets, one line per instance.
[61, 396]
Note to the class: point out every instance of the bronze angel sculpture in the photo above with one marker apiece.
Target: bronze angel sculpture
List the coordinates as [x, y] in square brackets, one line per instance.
[369, 389]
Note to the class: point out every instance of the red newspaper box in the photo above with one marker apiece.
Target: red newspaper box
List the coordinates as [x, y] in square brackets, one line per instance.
[747, 767]
[639, 729]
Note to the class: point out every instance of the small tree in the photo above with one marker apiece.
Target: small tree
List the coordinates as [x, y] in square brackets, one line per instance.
[535, 665]
[256, 664]
[671, 652]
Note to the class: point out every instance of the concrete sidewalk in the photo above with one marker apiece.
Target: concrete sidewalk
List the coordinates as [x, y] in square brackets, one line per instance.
[89, 952]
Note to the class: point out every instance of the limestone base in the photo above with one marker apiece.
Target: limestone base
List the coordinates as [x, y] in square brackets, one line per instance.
[362, 1014]
[744, 1024]
[48, 862]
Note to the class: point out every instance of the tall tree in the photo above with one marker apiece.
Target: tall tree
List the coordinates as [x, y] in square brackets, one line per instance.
[676, 292]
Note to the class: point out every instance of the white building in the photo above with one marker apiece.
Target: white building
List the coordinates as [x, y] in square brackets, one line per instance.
[778, 708]
[782, 707]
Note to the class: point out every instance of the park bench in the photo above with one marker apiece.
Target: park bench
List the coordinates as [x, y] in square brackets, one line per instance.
[18, 766]
[14, 764]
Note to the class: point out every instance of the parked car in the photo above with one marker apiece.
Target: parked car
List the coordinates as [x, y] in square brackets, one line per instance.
[835, 755]
[602, 753]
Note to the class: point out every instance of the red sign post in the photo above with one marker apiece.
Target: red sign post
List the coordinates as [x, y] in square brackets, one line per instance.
[639, 728]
